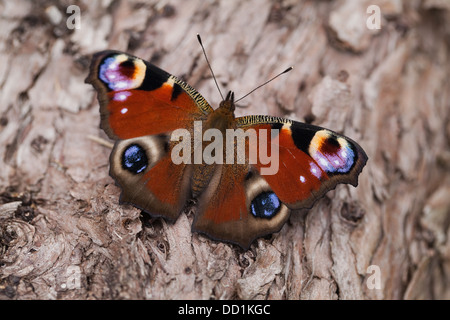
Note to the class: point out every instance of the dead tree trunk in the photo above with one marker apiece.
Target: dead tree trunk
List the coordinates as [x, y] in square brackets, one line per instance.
[64, 235]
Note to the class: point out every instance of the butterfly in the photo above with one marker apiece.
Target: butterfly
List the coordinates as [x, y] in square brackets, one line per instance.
[160, 172]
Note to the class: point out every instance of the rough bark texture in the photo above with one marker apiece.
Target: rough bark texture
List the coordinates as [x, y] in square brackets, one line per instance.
[63, 233]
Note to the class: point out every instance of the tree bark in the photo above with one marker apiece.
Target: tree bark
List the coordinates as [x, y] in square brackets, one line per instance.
[63, 234]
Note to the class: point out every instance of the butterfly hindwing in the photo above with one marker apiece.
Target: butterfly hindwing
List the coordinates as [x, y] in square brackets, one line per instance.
[143, 168]
[239, 206]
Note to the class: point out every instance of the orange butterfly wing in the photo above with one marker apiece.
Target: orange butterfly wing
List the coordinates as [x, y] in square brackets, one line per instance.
[140, 105]
[244, 204]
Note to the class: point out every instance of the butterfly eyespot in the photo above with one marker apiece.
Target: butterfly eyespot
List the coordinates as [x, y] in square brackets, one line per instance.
[265, 205]
[134, 159]
[119, 72]
[334, 154]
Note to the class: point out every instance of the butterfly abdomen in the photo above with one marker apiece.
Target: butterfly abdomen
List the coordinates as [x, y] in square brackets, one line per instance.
[200, 178]
[220, 119]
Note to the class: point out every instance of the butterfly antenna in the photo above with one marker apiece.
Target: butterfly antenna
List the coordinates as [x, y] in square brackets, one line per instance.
[209, 65]
[285, 71]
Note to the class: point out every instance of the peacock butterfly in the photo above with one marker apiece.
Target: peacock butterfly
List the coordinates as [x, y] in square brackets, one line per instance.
[142, 107]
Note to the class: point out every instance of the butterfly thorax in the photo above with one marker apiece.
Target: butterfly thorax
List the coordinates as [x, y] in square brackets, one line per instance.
[221, 119]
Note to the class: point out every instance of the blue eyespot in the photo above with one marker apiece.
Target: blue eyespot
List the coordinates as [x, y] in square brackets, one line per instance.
[117, 75]
[134, 159]
[265, 205]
